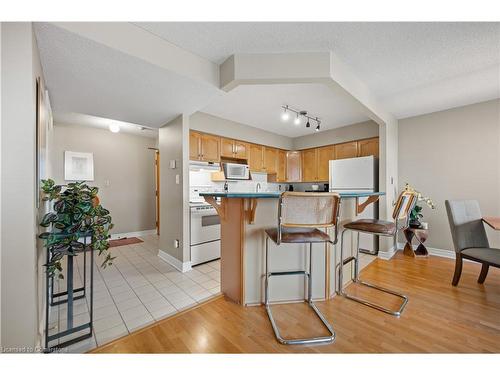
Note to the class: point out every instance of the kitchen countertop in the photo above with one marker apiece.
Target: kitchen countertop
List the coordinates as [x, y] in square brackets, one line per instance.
[272, 194]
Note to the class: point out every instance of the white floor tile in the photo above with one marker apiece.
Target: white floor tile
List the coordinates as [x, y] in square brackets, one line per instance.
[163, 312]
[111, 334]
[139, 322]
[107, 322]
[134, 312]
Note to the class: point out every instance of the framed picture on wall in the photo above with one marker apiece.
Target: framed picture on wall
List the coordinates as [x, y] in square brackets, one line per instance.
[78, 166]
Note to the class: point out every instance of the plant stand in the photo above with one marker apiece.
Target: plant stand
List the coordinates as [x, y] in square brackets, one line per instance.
[421, 236]
[68, 297]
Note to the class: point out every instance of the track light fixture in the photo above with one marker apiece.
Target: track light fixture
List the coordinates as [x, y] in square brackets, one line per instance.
[285, 116]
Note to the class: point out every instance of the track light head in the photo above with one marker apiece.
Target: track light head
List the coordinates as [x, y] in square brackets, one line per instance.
[308, 125]
[297, 120]
[285, 115]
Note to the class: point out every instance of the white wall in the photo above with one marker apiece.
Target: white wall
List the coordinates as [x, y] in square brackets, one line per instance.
[219, 126]
[123, 172]
[453, 154]
[20, 66]
[367, 129]
[174, 197]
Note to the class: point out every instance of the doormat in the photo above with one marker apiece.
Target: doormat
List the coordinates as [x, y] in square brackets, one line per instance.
[124, 241]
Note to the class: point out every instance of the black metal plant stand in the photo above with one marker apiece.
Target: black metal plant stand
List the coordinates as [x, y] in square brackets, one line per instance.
[68, 297]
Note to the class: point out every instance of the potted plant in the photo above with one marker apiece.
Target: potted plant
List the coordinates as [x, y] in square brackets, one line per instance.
[416, 212]
[76, 214]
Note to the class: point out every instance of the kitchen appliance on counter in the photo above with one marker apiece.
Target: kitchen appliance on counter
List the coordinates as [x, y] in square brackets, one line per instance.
[205, 227]
[235, 171]
[358, 174]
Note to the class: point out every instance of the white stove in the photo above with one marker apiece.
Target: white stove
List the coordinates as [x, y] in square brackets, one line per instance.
[205, 227]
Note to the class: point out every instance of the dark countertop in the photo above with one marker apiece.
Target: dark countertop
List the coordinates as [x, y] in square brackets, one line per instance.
[347, 194]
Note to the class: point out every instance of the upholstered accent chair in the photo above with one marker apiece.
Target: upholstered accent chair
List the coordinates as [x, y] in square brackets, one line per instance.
[469, 238]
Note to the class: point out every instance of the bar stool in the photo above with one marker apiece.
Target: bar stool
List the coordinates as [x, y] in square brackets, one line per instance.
[405, 203]
[299, 217]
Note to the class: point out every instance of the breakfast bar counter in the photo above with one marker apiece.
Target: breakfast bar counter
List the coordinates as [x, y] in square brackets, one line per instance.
[244, 216]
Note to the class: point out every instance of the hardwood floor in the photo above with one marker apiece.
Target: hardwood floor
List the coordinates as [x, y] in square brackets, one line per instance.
[439, 318]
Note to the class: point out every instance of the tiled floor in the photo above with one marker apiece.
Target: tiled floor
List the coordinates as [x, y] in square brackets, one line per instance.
[138, 289]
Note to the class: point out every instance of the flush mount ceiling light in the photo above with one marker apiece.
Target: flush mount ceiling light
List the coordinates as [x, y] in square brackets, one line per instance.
[298, 117]
[114, 127]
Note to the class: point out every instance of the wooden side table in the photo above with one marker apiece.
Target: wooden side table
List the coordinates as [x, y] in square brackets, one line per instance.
[421, 236]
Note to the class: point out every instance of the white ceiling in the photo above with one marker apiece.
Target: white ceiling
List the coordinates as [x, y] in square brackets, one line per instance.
[260, 106]
[396, 60]
[86, 77]
[103, 123]
[411, 68]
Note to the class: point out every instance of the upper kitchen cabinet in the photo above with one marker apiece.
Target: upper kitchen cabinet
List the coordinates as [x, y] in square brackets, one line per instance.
[325, 154]
[293, 166]
[315, 163]
[204, 147]
[232, 148]
[194, 146]
[367, 147]
[210, 150]
[256, 158]
[346, 150]
[309, 165]
[281, 172]
[270, 160]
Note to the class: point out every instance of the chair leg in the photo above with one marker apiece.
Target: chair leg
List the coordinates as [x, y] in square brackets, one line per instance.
[311, 340]
[458, 269]
[360, 282]
[484, 273]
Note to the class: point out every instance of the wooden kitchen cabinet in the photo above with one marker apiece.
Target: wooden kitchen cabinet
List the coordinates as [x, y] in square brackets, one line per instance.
[270, 160]
[309, 165]
[325, 154]
[367, 147]
[194, 146]
[227, 147]
[204, 147]
[346, 150]
[293, 166]
[256, 158]
[232, 148]
[281, 172]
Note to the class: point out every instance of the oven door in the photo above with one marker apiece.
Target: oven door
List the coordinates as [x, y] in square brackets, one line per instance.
[205, 226]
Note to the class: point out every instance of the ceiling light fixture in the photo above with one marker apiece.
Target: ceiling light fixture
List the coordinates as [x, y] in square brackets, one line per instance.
[114, 127]
[298, 116]
[285, 115]
[297, 120]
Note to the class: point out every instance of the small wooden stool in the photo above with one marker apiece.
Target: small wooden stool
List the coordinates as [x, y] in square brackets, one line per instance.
[421, 236]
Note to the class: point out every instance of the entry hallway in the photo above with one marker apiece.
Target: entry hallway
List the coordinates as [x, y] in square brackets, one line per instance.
[439, 318]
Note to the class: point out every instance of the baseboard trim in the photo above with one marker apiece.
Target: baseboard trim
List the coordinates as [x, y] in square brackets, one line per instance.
[176, 263]
[386, 255]
[117, 236]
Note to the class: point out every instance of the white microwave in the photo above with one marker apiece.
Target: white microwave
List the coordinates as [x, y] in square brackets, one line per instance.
[233, 171]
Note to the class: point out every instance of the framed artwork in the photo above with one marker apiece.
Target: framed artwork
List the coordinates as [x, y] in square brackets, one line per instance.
[78, 166]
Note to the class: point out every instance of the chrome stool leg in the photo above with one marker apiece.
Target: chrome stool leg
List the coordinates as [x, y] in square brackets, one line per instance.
[281, 340]
[356, 280]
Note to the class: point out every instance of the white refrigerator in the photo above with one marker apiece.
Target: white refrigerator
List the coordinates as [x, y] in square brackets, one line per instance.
[358, 174]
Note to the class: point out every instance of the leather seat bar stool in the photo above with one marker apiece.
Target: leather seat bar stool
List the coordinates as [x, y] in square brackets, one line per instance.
[299, 217]
[401, 215]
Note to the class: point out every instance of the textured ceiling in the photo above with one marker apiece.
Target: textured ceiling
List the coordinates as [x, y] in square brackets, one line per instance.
[260, 106]
[395, 60]
[86, 77]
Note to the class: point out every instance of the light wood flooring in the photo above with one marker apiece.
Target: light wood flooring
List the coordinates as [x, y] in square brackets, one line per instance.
[439, 318]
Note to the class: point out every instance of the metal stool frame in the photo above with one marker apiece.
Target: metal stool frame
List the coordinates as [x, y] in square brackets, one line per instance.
[307, 275]
[355, 279]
